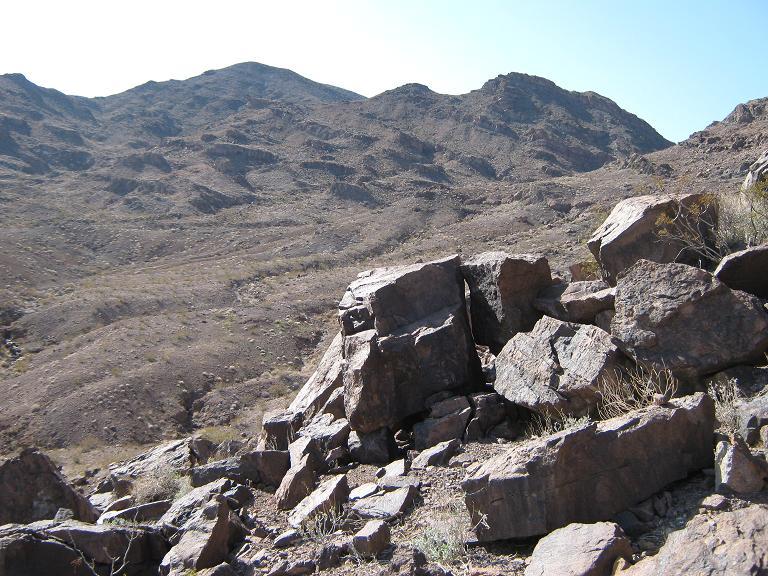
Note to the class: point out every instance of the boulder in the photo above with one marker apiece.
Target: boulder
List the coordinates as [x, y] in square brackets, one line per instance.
[298, 483]
[208, 537]
[684, 319]
[268, 465]
[406, 337]
[327, 431]
[32, 488]
[327, 378]
[51, 548]
[363, 491]
[580, 550]
[141, 513]
[737, 469]
[373, 448]
[578, 302]
[502, 290]
[746, 271]
[590, 473]
[732, 543]
[279, 429]
[447, 421]
[332, 493]
[386, 505]
[488, 411]
[302, 446]
[437, 455]
[752, 416]
[557, 367]
[233, 468]
[758, 172]
[634, 230]
[183, 508]
[396, 468]
[372, 539]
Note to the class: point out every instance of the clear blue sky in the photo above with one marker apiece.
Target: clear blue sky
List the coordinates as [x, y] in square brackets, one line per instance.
[679, 64]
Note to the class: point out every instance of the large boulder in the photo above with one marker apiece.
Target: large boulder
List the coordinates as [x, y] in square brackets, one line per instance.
[406, 337]
[634, 230]
[737, 469]
[330, 496]
[746, 270]
[502, 290]
[751, 416]
[323, 382]
[178, 455]
[557, 367]
[579, 302]
[727, 544]
[447, 420]
[32, 488]
[590, 473]
[580, 550]
[685, 319]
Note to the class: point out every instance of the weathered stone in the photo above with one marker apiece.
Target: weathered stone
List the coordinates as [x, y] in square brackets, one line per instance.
[372, 448]
[590, 473]
[287, 538]
[758, 172]
[386, 505]
[141, 513]
[410, 339]
[583, 301]
[665, 314]
[363, 491]
[488, 410]
[715, 502]
[372, 539]
[270, 465]
[438, 455]
[502, 290]
[580, 550]
[633, 231]
[332, 493]
[222, 569]
[746, 271]
[327, 378]
[32, 488]
[390, 483]
[328, 432]
[298, 483]
[751, 416]
[748, 381]
[396, 468]
[737, 469]
[178, 455]
[119, 504]
[302, 446]
[233, 468]
[558, 366]
[487, 363]
[448, 420]
[185, 507]
[335, 405]
[736, 543]
[207, 538]
[330, 554]
[279, 429]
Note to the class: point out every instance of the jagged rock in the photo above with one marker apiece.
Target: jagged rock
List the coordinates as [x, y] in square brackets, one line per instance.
[372, 539]
[487, 363]
[177, 455]
[396, 468]
[328, 432]
[758, 171]
[184, 507]
[330, 555]
[447, 420]
[335, 405]
[437, 455]
[558, 366]
[270, 465]
[664, 315]
[51, 548]
[748, 381]
[32, 488]
[222, 569]
[372, 448]
[279, 429]
[298, 483]
[140, 513]
[737, 469]
[390, 483]
[302, 446]
[287, 538]
[115, 505]
[336, 457]
[746, 271]
[488, 411]
[632, 232]
[535, 487]
[502, 290]
[332, 493]
[580, 550]
[232, 468]
[578, 302]
[363, 491]
[207, 538]
[327, 378]
[735, 543]
[752, 415]
[407, 337]
[386, 505]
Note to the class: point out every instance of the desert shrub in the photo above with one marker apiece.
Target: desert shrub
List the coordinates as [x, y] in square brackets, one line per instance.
[552, 422]
[638, 387]
[443, 537]
[323, 527]
[726, 396]
[161, 484]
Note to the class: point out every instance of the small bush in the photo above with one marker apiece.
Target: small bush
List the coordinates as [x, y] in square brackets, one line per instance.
[726, 396]
[443, 539]
[160, 485]
[636, 388]
[553, 422]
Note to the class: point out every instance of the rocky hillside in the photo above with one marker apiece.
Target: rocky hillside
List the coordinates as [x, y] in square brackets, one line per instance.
[171, 252]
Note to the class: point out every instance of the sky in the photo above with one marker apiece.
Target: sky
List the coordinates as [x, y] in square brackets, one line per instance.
[678, 64]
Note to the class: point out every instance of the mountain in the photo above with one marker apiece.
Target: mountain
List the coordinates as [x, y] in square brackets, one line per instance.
[171, 251]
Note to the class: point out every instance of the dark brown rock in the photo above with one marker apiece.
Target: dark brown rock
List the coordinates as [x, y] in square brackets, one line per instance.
[386, 505]
[447, 421]
[437, 455]
[330, 495]
[737, 469]
[372, 539]
[323, 382]
[279, 429]
[372, 448]
[746, 271]
[298, 483]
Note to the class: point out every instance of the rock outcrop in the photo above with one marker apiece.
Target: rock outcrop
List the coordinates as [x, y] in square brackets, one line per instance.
[746, 270]
[590, 473]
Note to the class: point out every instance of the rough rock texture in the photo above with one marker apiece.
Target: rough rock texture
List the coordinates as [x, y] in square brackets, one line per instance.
[488, 411]
[437, 455]
[752, 416]
[664, 315]
[590, 473]
[737, 469]
[270, 465]
[631, 233]
[387, 505]
[557, 366]
[746, 270]
[32, 488]
[502, 290]
[727, 544]
[49, 548]
[296, 484]
[578, 302]
[185, 507]
[140, 513]
[758, 171]
[279, 428]
[177, 455]
[372, 448]
[372, 539]
[327, 378]
[332, 493]
[447, 420]
[329, 432]
[407, 337]
[580, 550]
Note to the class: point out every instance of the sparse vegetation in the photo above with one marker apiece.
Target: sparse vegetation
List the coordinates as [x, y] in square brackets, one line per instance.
[444, 534]
[726, 396]
[635, 388]
[552, 422]
[322, 528]
[160, 485]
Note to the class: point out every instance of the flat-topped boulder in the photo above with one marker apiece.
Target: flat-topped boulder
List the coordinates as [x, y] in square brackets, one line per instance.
[590, 473]
[503, 288]
[684, 319]
[634, 231]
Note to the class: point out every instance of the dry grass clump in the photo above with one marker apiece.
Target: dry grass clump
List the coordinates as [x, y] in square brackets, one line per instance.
[160, 484]
[726, 396]
[444, 535]
[325, 526]
[553, 422]
[635, 388]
